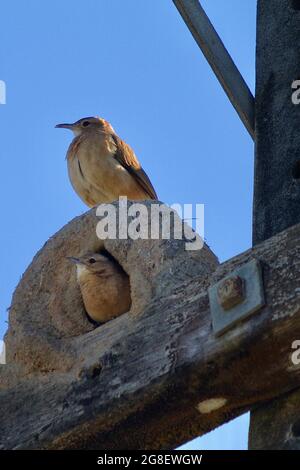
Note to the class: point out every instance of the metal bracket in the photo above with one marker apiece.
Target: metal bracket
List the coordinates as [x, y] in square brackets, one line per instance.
[236, 297]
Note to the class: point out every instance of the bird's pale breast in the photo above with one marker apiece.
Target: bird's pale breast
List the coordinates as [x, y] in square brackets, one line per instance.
[96, 175]
[106, 296]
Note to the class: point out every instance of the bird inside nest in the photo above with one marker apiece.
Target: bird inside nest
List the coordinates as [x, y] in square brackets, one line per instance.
[102, 167]
[104, 286]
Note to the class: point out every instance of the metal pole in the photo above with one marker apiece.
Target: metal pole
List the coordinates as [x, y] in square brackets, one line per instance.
[219, 59]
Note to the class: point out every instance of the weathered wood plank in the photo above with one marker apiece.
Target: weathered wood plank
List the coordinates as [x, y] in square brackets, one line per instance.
[220, 60]
[144, 380]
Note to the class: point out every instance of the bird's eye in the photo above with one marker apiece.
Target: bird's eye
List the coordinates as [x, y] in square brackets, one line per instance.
[92, 260]
[85, 123]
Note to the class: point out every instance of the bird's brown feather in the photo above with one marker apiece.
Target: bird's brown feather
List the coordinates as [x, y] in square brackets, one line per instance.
[127, 158]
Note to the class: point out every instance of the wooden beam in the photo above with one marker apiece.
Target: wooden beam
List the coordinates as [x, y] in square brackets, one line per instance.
[154, 379]
[219, 59]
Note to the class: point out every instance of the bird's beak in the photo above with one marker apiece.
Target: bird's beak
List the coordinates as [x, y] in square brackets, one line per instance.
[73, 259]
[64, 126]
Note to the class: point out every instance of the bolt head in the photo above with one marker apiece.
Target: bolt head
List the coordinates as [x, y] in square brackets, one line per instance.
[231, 292]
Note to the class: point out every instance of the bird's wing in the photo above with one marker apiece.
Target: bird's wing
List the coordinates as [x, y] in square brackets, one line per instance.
[126, 157]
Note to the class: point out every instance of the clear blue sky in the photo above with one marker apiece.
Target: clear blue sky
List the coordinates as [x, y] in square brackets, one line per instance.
[135, 63]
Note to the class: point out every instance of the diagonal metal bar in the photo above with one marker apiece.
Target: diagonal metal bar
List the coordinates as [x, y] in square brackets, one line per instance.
[220, 60]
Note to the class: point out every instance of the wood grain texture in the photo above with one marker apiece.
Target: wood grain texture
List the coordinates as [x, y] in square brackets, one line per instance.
[143, 380]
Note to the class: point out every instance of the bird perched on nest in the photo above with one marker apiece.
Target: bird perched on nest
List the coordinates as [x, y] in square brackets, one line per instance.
[104, 286]
[103, 167]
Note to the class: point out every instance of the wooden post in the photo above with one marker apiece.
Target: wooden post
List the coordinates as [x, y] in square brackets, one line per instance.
[277, 178]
